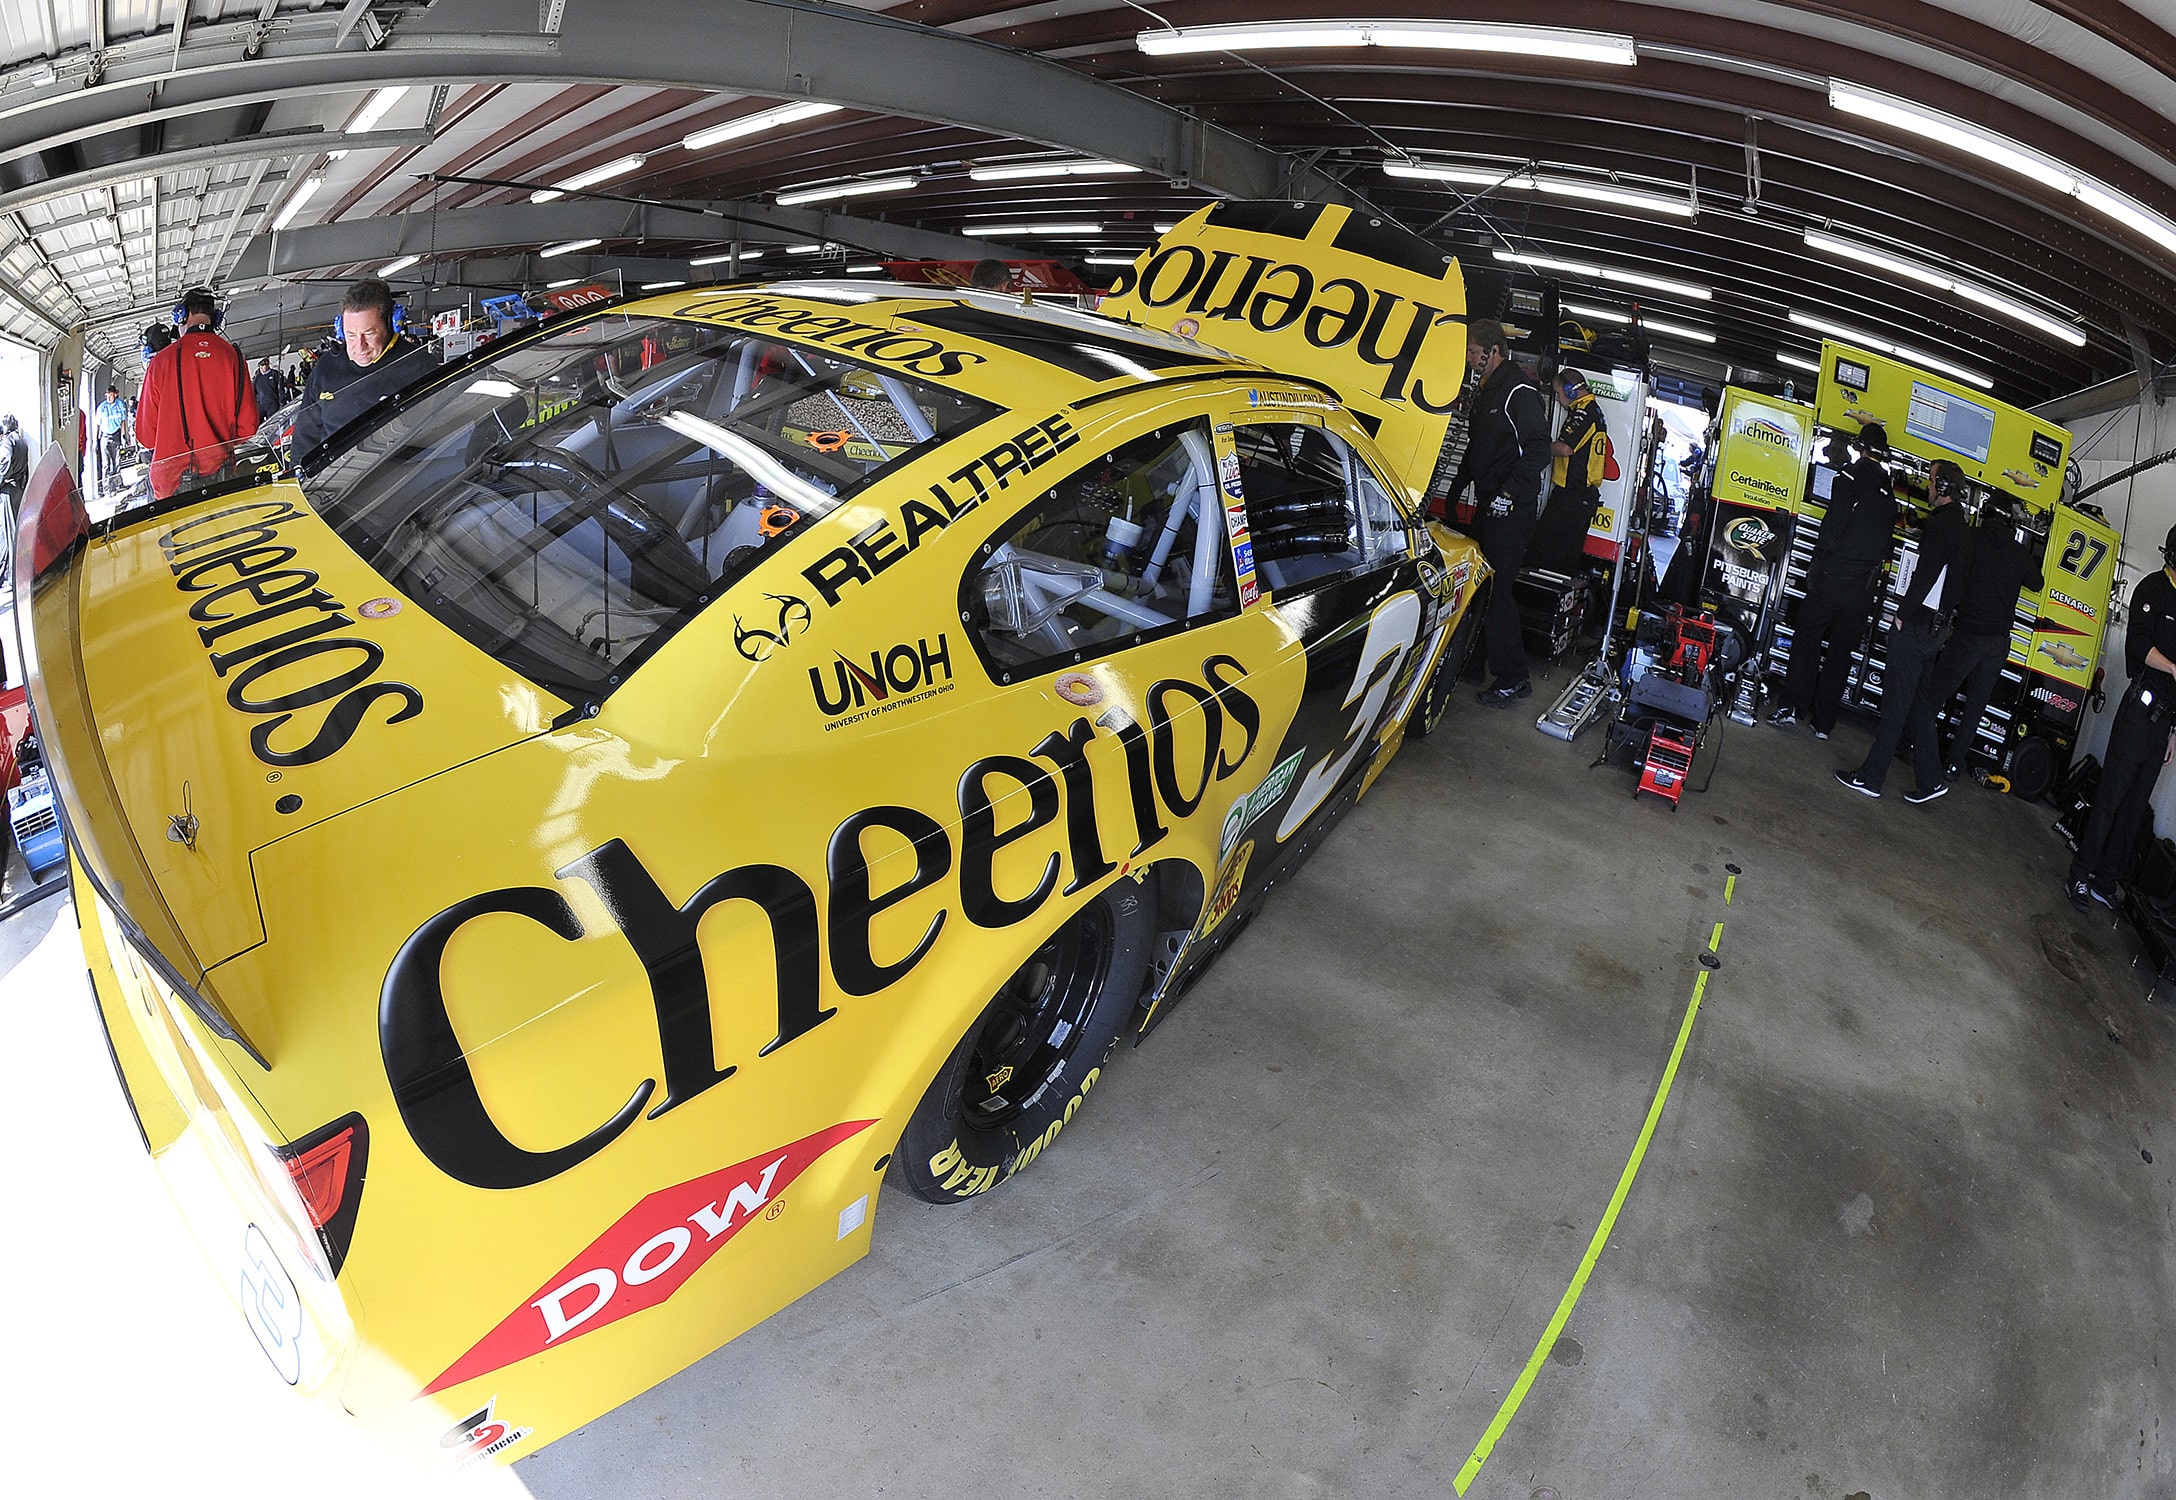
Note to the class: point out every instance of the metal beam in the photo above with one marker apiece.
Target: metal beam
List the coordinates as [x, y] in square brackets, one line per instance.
[268, 147]
[784, 49]
[462, 230]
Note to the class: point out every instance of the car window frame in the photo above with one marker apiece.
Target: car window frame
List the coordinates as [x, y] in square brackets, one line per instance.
[1356, 459]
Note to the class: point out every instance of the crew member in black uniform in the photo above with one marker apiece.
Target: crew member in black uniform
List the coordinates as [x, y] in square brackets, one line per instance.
[2001, 560]
[1922, 627]
[1581, 458]
[370, 362]
[1841, 584]
[2140, 741]
[1507, 448]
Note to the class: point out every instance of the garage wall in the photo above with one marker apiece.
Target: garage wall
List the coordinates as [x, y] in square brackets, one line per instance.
[2142, 508]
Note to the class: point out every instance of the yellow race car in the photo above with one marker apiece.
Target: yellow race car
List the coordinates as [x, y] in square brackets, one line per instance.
[544, 865]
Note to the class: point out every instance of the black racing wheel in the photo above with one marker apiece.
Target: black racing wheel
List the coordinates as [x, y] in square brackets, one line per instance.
[1033, 1054]
[1435, 699]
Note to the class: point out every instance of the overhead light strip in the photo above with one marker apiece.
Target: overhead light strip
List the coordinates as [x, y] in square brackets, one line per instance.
[1940, 280]
[375, 107]
[1441, 36]
[859, 187]
[1594, 272]
[755, 124]
[568, 247]
[1534, 182]
[395, 267]
[1028, 171]
[1019, 231]
[2012, 156]
[590, 178]
[1798, 361]
[1879, 345]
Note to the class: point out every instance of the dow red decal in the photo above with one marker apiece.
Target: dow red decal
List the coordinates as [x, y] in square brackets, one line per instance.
[645, 1257]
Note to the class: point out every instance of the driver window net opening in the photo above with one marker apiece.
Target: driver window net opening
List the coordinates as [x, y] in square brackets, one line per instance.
[570, 505]
[1314, 509]
[1129, 544]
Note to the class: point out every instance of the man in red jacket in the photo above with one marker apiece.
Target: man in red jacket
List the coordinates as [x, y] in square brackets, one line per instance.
[196, 401]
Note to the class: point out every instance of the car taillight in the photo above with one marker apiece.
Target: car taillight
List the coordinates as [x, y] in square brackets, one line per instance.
[326, 1167]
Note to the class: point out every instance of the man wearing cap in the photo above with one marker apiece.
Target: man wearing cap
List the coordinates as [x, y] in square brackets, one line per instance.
[1507, 450]
[2002, 560]
[1922, 627]
[1841, 585]
[1581, 454]
[110, 419]
[2140, 741]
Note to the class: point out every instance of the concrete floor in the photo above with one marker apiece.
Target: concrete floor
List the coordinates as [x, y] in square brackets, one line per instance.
[1903, 1229]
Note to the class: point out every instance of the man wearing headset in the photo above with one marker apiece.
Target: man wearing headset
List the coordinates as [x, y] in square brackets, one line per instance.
[1507, 452]
[372, 360]
[196, 401]
[1842, 584]
[2140, 741]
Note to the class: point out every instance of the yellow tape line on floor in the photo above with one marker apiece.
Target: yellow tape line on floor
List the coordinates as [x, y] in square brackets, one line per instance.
[1570, 1299]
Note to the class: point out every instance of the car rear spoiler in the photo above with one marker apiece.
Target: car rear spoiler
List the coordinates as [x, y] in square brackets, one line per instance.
[1321, 291]
[54, 531]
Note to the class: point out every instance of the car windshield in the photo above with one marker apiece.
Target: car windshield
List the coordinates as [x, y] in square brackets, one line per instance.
[571, 504]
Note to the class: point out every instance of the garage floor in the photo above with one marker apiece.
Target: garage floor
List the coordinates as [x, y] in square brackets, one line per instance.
[1903, 1230]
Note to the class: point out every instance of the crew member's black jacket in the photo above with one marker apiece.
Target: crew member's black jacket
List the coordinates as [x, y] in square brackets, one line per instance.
[1941, 545]
[2152, 624]
[1507, 442]
[1861, 516]
[2000, 567]
[340, 390]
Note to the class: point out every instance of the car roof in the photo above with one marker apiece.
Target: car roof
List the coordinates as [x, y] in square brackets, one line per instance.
[1078, 353]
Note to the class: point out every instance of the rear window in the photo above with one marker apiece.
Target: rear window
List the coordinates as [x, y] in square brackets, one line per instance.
[571, 504]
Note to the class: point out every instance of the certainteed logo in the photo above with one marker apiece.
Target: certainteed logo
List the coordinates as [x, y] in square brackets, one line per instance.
[274, 630]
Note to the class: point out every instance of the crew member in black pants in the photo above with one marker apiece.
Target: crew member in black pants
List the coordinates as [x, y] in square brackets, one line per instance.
[1507, 450]
[2139, 742]
[2001, 560]
[1922, 625]
[1842, 584]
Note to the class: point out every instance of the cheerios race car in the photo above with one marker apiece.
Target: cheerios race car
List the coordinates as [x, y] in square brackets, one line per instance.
[544, 864]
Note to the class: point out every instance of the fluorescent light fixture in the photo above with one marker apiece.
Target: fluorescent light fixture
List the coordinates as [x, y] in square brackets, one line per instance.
[1014, 231]
[590, 178]
[860, 187]
[568, 247]
[719, 260]
[2129, 212]
[1470, 176]
[1677, 331]
[1113, 260]
[395, 267]
[553, 286]
[1165, 228]
[302, 195]
[1941, 280]
[758, 464]
[1600, 314]
[1798, 362]
[1622, 197]
[861, 270]
[661, 286]
[1029, 170]
[1445, 36]
[1610, 273]
[498, 390]
[1953, 132]
[375, 107]
[804, 249]
[755, 124]
[1879, 345]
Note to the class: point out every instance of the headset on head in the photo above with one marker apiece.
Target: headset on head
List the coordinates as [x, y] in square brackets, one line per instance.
[180, 314]
[400, 322]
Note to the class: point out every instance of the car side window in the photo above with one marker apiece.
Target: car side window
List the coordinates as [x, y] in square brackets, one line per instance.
[1129, 545]
[1313, 508]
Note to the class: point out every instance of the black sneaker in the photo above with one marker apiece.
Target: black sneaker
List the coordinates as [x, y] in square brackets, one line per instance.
[1783, 718]
[2081, 896]
[1928, 793]
[1863, 788]
[1504, 694]
[2101, 896]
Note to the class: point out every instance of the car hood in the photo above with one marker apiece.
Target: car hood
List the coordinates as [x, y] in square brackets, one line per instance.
[233, 672]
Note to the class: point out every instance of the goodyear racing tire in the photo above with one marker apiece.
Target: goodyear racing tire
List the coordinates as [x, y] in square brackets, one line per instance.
[1435, 700]
[1032, 1056]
